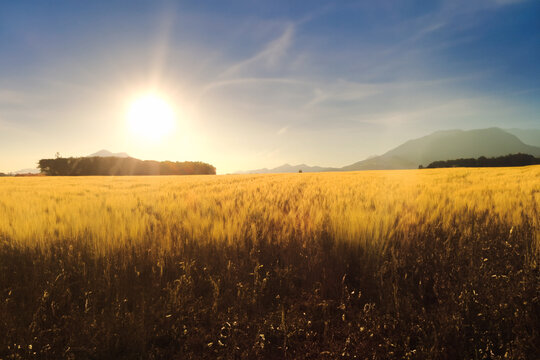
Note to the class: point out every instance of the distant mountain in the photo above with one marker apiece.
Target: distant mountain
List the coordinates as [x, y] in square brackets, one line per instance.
[107, 153]
[446, 145]
[438, 146]
[286, 168]
[454, 144]
[381, 163]
[26, 171]
[528, 136]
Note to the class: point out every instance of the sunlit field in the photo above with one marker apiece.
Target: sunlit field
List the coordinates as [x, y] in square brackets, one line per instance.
[377, 264]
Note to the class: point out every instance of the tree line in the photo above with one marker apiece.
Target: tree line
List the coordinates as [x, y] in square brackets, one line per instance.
[501, 161]
[121, 166]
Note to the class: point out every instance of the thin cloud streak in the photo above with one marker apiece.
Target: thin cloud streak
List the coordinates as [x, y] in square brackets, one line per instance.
[250, 81]
[269, 57]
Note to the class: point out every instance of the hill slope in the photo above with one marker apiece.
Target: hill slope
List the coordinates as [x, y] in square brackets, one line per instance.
[528, 136]
[446, 145]
[381, 163]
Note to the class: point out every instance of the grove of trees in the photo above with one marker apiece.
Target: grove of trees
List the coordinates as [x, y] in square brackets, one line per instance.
[121, 166]
[501, 161]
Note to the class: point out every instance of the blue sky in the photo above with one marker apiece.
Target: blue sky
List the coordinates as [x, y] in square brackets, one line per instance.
[257, 84]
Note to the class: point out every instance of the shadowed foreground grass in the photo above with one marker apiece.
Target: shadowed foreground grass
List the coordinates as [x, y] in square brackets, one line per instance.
[471, 292]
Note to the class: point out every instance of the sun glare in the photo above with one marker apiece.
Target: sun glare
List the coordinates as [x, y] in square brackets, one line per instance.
[151, 117]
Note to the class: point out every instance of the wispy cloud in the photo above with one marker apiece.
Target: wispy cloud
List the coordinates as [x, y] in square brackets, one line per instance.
[283, 130]
[341, 91]
[249, 81]
[267, 58]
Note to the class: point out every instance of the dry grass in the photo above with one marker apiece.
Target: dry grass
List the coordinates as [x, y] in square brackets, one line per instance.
[396, 264]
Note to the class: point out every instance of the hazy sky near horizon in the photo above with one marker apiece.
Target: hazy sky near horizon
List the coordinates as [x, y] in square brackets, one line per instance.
[258, 84]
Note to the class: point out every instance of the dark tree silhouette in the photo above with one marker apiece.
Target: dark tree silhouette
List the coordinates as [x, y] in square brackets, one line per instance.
[121, 166]
[501, 161]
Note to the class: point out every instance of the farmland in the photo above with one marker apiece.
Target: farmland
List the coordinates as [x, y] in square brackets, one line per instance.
[437, 263]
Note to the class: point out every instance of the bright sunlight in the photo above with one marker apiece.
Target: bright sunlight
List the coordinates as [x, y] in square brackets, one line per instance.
[151, 117]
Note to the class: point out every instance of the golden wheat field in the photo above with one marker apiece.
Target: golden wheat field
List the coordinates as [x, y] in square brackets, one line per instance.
[409, 264]
[361, 206]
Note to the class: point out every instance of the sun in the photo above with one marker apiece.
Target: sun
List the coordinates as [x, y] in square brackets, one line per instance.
[151, 117]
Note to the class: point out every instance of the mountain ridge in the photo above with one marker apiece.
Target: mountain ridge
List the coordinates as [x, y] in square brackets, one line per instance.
[107, 153]
[287, 168]
[438, 146]
[528, 136]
